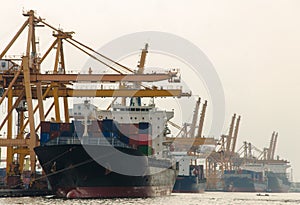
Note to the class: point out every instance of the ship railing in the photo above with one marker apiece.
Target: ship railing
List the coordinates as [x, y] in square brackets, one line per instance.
[87, 141]
[159, 163]
[237, 175]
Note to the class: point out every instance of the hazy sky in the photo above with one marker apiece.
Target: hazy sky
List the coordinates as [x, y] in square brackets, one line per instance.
[253, 44]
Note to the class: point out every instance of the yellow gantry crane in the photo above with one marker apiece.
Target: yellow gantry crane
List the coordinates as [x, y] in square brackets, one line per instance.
[25, 87]
[188, 141]
[225, 157]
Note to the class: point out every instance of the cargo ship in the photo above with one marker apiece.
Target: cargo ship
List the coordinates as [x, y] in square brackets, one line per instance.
[108, 153]
[278, 182]
[261, 176]
[275, 171]
[244, 181]
[190, 178]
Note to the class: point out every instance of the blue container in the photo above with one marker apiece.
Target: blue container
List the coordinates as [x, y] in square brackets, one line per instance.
[2, 172]
[144, 128]
[54, 126]
[124, 139]
[45, 137]
[115, 134]
[106, 134]
[143, 125]
[107, 125]
[66, 134]
[115, 126]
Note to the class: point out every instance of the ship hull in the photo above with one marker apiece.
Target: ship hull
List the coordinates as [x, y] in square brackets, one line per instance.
[278, 183]
[188, 184]
[238, 184]
[73, 173]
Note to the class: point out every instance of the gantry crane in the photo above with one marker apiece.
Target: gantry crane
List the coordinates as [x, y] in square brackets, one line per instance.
[25, 87]
[225, 157]
[250, 154]
[186, 140]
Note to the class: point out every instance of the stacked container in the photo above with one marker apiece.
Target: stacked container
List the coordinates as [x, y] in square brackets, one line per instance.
[52, 130]
[45, 132]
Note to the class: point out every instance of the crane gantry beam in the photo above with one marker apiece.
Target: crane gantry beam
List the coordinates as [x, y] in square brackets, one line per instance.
[109, 78]
[68, 92]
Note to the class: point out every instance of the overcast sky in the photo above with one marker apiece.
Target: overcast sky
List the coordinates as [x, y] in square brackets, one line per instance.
[253, 45]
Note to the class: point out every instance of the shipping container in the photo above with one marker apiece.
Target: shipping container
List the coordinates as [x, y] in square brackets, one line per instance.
[133, 129]
[143, 139]
[97, 134]
[45, 137]
[100, 124]
[54, 134]
[45, 126]
[145, 128]
[78, 125]
[65, 127]
[106, 134]
[124, 139]
[146, 150]
[107, 125]
[54, 126]
[94, 126]
[66, 134]
[133, 142]
[123, 128]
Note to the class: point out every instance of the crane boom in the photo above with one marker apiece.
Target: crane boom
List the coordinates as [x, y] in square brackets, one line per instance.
[229, 137]
[274, 146]
[195, 116]
[201, 121]
[236, 130]
[271, 146]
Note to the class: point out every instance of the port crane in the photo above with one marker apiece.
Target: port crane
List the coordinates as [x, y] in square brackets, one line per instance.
[25, 87]
[225, 156]
[186, 139]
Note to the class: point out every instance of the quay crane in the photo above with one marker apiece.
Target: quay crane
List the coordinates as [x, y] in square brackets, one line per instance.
[25, 87]
[224, 158]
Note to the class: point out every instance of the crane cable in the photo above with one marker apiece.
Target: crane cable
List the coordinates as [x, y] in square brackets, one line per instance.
[81, 44]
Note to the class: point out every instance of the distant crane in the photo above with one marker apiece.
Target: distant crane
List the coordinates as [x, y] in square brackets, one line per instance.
[201, 121]
[195, 117]
[229, 136]
[236, 131]
[272, 146]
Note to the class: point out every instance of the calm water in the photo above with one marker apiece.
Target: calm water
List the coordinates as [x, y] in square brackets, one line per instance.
[186, 199]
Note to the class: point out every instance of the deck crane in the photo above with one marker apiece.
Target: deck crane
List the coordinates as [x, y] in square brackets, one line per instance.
[22, 82]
